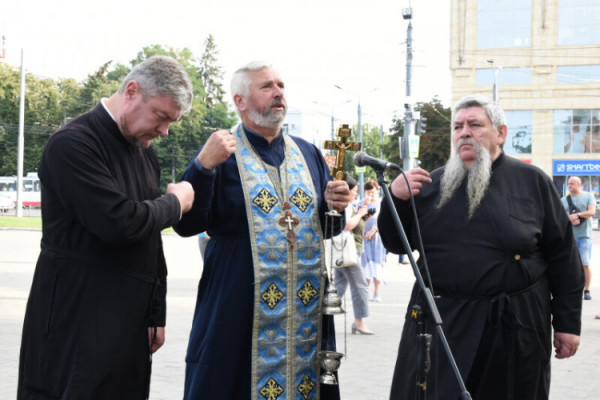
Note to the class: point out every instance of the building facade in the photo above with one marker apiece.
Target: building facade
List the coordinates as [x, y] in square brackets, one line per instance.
[542, 58]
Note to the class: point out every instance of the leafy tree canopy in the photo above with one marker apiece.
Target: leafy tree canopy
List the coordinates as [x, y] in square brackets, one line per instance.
[49, 104]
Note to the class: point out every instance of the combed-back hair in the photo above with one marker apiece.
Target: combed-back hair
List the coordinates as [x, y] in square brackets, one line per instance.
[240, 81]
[492, 109]
[162, 75]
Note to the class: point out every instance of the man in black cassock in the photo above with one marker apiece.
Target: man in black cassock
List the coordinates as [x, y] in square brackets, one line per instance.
[504, 266]
[96, 311]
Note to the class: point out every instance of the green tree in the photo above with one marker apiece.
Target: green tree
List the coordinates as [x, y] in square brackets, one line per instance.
[95, 87]
[49, 104]
[211, 74]
[69, 90]
[43, 114]
[9, 118]
[434, 149]
[371, 144]
[218, 115]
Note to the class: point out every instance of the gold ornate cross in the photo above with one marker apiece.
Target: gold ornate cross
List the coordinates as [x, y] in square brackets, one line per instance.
[341, 146]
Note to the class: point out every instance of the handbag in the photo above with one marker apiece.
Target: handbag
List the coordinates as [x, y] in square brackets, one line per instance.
[573, 209]
[344, 251]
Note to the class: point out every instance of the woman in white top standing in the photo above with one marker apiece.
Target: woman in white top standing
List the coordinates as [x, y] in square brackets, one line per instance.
[353, 275]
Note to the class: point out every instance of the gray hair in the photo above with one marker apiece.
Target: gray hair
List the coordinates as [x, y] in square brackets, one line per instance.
[240, 81]
[492, 109]
[162, 75]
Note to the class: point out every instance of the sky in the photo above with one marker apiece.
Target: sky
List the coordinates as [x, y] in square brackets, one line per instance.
[315, 45]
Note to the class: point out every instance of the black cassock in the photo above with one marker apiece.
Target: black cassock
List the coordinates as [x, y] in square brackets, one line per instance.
[100, 279]
[503, 279]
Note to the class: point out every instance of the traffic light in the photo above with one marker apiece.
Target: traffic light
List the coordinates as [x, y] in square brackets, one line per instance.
[421, 126]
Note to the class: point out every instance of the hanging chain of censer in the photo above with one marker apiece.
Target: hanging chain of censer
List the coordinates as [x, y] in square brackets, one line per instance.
[332, 305]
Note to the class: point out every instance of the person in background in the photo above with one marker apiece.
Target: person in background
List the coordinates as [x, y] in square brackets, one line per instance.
[203, 239]
[580, 212]
[97, 306]
[373, 255]
[258, 327]
[503, 263]
[354, 275]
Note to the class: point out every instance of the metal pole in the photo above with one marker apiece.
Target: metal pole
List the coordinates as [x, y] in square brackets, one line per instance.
[21, 142]
[408, 58]
[495, 88]
[495, 85]
[332, 127]
[408, 111]
[381, 142]
[361, 177]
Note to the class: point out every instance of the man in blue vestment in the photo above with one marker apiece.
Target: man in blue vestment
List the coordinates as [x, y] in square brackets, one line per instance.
[262, 198]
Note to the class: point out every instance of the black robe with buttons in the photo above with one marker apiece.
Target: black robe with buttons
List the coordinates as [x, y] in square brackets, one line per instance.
[100, 280]
[502, 279]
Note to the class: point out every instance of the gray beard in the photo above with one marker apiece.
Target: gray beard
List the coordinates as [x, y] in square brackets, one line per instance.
[478, 176]
[269, 120]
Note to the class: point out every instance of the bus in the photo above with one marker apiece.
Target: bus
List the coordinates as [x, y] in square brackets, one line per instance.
[31, 193]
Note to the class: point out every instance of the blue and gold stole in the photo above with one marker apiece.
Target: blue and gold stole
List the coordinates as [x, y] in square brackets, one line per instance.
[285, 234]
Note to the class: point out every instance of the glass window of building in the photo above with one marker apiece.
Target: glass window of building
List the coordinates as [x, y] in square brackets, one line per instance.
[578, 73]
[578, 22]
[576, 131]
[589, 183]
[518, 139]
[506, 76]
[503, 24]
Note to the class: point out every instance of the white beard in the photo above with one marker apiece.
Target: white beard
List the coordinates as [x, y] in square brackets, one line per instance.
[269, 120]
[478, 176]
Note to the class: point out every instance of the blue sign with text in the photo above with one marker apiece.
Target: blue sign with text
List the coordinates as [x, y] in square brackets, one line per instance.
[575, 167]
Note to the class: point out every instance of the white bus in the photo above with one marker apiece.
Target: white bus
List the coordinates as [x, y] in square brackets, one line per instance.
[31, 194]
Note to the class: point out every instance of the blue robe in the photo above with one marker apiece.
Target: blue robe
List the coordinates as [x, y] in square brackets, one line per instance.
[219, 351]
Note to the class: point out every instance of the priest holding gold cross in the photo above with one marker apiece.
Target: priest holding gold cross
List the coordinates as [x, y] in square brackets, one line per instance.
[262, 196]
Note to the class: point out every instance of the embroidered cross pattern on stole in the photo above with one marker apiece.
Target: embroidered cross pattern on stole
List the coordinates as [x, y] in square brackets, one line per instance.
[341, 146]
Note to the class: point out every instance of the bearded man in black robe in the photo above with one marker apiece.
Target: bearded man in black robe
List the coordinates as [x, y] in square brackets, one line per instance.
[503, 263]
[96, 311]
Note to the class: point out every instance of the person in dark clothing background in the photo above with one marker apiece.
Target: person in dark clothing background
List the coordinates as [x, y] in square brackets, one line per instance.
[96, 310]
[503, 261]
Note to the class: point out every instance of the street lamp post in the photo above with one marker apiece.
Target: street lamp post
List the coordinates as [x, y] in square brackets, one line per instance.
[496, 69]
[408, 107]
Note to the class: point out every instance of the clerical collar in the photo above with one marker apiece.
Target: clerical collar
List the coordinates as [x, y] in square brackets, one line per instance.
[258, 140]
[102, 100]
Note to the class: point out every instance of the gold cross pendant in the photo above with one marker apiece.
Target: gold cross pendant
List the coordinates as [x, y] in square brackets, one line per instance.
[291, 222]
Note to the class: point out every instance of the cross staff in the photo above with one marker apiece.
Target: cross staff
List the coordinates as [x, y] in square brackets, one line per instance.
[341, 146]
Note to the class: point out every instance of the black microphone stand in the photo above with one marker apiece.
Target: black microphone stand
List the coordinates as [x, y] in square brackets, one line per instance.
[433, 312]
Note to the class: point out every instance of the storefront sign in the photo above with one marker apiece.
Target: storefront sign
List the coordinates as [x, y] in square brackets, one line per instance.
[575, 167]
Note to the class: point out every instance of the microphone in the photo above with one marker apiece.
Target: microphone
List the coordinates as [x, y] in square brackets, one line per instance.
[362, 159]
